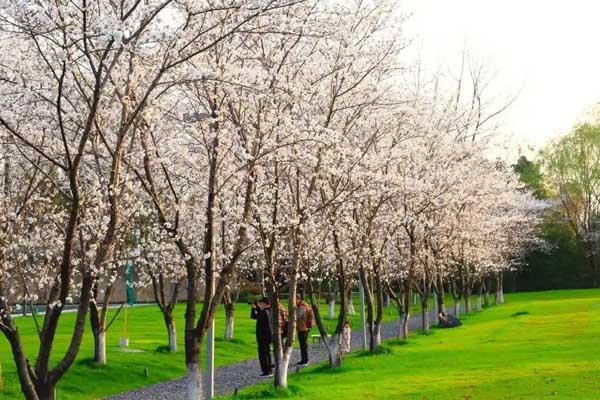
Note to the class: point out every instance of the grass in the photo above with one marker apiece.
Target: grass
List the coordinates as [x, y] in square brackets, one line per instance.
[126, 370]
[540, 345]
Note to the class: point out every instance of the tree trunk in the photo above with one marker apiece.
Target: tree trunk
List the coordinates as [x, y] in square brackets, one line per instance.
[27, 386]
[229, 320]
[487, 289]
[479, 295]
[192, 339]
[376, 339]
[334, 351]
[386, 301]
[100, 347]
[370, 300]
[457, 296]
[171, 332]
[468, 307]
[441, 306]
[498, 296]
[436, 309]
[405, 319]
[425, 323]
[331, 309]
[282, 351]
[193, 383]
[439, 288]
[281, 370]
[46, 391]
[98, 322]
[501, 288]
[351, 310]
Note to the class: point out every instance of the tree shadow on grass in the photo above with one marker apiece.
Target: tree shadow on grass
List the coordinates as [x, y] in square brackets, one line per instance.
[233, 340]
[520, 313]
[272, 393]
[397, 342]
[91, 364]
[325, 369]
[163, 349]
[383, 349]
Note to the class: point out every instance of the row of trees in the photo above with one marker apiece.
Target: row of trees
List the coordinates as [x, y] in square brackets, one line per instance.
[567, 174]
[213, 139]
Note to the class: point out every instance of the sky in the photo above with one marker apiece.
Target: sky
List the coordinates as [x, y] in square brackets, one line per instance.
[547, 53]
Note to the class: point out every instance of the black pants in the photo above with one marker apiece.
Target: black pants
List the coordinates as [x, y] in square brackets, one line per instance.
[303, 339]
[264, 356]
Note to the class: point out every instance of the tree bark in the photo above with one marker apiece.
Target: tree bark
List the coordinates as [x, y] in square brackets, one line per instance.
[229, 320]
[171, 331]
[369, 298]
[333, 344]
[331, 309]
[487, 289]
[468, 306]
[194, 382]
[98, 323]
[425, 325]
[351, 310]
[480, 295]
[439, 287]
[47, 391]
[457, 296]
[100, 348]
[498, 299]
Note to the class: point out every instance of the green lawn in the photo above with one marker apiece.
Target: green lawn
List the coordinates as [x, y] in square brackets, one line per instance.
[540, 345]
[125, 370]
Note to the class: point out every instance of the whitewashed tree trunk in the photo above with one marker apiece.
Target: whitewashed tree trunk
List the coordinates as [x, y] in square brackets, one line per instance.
[334, 351]
[404, 329]
[100, 348]
[281, 369]
[479, 303]
[193, 383]
[172, 330]
[468, 306]
[377, 336]
[331, 309]
[498, 295]
[350, 304]
[457, 308]
[229, 325]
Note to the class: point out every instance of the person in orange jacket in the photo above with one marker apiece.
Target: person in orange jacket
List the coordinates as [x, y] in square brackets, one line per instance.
[303, 324]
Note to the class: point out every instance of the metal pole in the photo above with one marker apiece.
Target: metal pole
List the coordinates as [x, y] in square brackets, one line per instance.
[361, 295]
[210, 355]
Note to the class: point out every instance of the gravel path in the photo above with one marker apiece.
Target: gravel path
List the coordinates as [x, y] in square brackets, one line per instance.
[230, 377]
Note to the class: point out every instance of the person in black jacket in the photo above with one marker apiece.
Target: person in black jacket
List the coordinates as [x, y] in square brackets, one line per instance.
[261, 312]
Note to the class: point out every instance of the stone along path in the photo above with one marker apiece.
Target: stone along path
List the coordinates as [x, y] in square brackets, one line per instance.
[230, 377]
